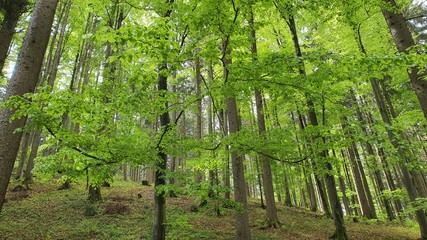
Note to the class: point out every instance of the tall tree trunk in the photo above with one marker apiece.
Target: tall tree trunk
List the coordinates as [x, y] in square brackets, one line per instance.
[365, 127]
[340, 230]
[49, 79]
[227, 180]
[159, 220]
[318, 184]
[407, 176]
[13, 9]
[159, 227]
[307, 177]
[24, 80]
[311, 113]
[403, 39]
[198, 173]
[242, 220]
[272, 219]
[363, 193]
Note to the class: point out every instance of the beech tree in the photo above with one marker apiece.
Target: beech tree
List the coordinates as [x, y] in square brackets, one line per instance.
[24, 80]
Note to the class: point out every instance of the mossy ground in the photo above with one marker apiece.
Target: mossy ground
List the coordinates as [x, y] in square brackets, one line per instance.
[46, 213]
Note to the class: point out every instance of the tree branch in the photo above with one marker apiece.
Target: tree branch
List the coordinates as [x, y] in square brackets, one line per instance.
[424, 15]
[291, 161]
[167, 129]
[82, 152]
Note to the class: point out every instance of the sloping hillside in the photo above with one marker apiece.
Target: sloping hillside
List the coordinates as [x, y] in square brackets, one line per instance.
[126, 213]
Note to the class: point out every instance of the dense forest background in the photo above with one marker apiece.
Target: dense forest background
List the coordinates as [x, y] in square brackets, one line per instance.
[320, 105]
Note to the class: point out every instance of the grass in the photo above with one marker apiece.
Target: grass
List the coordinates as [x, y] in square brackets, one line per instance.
[46, 213]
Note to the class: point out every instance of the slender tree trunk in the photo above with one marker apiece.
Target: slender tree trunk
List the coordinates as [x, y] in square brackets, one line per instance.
[159, 227]
[288, 201]
[28, 175]
[340, 230]
[272, 219]
[344, 197]
[173, 160]
[407, 178]
[311, 192]
[125, 171]
[242, 221]
[259, 178]
[307, 177]
[227, 180]
[24, 80]
[58, 51]
[359, 177]
[198, 173]
[318, 184]
[26, 139]
[13, 10]
[365, 127]
[239, 184]
[49, 78]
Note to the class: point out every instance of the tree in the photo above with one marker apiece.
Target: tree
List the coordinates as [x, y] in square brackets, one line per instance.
[403, 39]
[159, 227]
[272, 219]
[340, 230]
[13, 10]
[24, 80]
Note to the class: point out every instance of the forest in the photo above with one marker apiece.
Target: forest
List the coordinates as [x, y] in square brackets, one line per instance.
[250, 111]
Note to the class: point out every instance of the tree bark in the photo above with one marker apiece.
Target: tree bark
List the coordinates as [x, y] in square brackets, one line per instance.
[288, 200]
[227, 180]
[94, 194]
[272, 219]
[242, 220]
[403, 39]
[311, 192]
[159, 219]
[24, 80]
[28, 175]
[13, 9]
[26, 140]
[198, 173]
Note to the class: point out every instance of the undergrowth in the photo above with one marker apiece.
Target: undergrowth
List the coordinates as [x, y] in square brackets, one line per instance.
[126, 213]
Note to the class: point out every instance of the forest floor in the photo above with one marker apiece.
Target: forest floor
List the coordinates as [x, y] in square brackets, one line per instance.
[43, 212]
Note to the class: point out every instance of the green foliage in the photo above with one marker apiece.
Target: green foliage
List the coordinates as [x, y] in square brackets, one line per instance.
[419, 204]
[398, 194]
